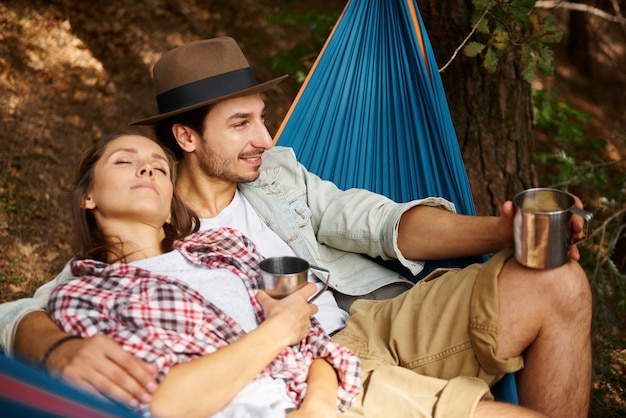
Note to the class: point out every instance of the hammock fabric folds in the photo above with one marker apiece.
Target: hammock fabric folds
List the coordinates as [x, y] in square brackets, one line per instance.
[372, 113]
[28, 392]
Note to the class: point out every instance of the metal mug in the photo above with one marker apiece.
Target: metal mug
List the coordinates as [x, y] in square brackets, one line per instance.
[281, 276]
[542, 227]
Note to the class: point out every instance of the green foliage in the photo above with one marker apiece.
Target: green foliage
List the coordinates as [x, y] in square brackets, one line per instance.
[580, 165]
[10, 272]
[473, 48]
[503, 24]
[565, 122]
[300, 58]
[15, 204]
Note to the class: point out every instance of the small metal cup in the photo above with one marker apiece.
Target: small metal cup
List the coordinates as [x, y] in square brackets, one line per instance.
[542, 227]
[281, 276]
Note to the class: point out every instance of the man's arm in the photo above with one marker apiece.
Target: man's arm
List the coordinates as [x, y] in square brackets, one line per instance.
[427, 233]
[97, 363]
[36, 324]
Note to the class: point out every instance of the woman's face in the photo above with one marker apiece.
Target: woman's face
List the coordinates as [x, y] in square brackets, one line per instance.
[132, 182]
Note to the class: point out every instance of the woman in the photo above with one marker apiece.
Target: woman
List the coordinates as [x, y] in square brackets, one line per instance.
[190, 304]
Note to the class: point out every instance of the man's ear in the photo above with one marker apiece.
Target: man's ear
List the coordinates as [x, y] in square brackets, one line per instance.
[88, 202]
[185, 136]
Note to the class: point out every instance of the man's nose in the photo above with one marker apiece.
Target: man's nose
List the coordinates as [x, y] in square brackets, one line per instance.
[263, 139]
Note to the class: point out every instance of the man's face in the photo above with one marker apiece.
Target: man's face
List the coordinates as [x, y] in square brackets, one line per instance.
[234, 139]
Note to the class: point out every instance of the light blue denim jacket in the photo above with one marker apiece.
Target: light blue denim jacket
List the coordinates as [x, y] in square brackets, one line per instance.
[326, 226]
[330, 227]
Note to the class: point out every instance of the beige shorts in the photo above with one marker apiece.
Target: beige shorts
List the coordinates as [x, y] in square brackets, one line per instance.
[431, 350]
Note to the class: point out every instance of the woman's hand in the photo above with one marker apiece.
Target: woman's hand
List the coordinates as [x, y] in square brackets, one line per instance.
[291, 314]
[186, 391]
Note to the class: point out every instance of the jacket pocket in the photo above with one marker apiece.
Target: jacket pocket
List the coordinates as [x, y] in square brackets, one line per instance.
[299, 207]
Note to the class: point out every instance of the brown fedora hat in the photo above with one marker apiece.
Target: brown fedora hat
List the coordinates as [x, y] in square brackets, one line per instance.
[200, 73]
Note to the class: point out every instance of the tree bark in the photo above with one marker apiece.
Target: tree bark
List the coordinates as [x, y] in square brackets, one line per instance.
[492, 113]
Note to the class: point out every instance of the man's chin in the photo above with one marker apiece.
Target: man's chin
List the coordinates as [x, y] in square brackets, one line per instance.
[249, 179]
[246, 178]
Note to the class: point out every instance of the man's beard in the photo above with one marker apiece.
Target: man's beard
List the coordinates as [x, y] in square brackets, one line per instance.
[214, 165]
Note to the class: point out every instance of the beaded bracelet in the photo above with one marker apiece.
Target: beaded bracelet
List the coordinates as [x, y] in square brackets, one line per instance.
[56, 345]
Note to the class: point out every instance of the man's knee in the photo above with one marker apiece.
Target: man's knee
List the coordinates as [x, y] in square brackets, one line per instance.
[569, 290]
[558, 293]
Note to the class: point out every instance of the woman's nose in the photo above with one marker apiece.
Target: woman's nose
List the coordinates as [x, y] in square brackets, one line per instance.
[146, 170]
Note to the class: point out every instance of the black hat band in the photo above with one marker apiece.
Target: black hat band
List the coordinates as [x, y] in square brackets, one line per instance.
[205, 90]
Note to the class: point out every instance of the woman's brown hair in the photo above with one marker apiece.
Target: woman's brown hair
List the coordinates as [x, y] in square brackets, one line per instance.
[92, 243]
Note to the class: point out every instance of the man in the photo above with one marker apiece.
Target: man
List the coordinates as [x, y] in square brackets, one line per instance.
[432, 349]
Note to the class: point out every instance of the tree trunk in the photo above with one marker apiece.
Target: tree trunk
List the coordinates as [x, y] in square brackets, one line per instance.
[492, 113]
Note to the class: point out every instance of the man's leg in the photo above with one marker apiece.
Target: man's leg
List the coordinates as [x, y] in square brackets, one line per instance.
[546, 316]
[426, 332]
[489, 409]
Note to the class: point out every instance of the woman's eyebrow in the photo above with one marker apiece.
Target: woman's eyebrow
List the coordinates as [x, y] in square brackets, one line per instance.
[159, 156]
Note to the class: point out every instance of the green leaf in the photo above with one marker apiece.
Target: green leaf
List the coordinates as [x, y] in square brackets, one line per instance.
[519, 9]
[545, 60]
[472, 49]
[528, 73]
[500, 39]
[491, 61]
[483, 27]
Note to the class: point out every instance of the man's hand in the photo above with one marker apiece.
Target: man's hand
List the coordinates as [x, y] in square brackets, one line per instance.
[577, 224]
[505, 227]
[97, 363]
[100, 364]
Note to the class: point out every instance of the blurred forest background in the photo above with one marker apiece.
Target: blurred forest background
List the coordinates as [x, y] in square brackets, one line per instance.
[73, 70]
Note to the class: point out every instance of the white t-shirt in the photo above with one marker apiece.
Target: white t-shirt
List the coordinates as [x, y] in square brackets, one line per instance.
[264, 397]
[231, 296]
[240, 215]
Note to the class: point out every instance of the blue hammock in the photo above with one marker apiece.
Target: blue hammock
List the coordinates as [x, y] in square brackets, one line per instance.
[28, 392]
[372, 113]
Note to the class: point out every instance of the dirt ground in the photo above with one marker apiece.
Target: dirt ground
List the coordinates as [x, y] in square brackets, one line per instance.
[72, 70]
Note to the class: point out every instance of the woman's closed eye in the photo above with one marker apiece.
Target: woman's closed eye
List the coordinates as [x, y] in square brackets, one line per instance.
[162, 170]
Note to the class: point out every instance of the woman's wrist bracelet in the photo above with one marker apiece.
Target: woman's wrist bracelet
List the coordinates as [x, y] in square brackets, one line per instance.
[56, 345]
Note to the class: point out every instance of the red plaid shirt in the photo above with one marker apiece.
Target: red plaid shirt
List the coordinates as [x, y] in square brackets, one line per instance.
[165, 322]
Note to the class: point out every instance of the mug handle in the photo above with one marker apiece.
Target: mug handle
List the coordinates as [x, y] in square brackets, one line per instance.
[588, 217]
[325, 273]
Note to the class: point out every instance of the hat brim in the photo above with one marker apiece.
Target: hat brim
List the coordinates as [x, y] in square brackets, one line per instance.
[246, 92]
